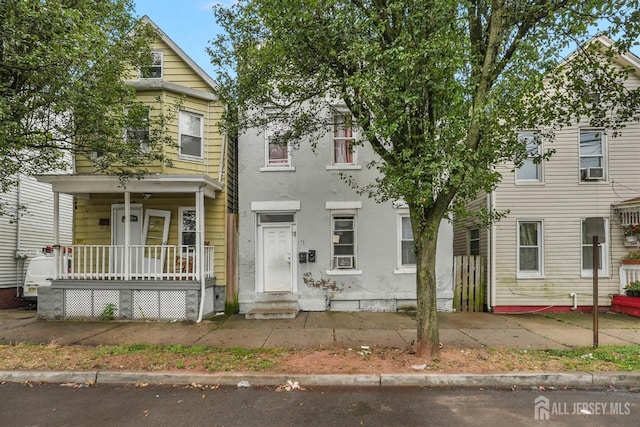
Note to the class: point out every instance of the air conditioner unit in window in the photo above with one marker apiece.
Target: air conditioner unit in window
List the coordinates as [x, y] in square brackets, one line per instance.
[595, 174]
[344, 262]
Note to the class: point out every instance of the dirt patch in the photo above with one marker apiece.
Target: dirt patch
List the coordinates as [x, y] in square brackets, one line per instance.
[295, 361]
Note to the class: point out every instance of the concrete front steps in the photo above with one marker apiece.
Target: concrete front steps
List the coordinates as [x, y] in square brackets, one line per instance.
[274, 306]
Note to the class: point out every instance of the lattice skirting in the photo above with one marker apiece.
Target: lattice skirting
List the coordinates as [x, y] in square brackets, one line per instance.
[159, 304]
[128, 304]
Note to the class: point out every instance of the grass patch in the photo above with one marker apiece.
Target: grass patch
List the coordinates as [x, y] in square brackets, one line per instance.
[623, 357]
[199, 358]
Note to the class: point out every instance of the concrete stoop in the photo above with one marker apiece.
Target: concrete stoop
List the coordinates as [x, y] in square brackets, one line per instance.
[274, 306]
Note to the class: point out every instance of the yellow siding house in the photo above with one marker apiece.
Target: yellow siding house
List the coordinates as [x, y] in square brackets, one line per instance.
[162, 246]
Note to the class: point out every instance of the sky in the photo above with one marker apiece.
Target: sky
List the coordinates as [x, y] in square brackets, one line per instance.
[189, 23]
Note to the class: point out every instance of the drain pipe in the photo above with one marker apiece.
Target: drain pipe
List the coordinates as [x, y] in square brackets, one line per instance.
[575, 301]
[19, 275]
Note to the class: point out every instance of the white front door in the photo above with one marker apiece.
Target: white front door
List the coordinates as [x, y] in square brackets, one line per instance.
[118, 230]
[276, 255]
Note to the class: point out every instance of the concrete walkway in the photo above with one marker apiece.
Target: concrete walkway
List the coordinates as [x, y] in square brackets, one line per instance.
[327, 329]
[340, 329]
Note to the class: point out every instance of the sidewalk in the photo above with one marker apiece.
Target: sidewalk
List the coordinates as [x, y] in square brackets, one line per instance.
[340, 329]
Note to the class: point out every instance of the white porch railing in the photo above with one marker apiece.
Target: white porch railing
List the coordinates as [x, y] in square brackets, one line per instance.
[157, 262]
[628, 273]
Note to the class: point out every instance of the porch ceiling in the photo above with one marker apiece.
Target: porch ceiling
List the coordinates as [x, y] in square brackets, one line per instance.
[89, 184]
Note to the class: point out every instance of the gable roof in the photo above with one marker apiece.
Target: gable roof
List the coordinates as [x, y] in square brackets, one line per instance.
[181, 53]
[626, 58]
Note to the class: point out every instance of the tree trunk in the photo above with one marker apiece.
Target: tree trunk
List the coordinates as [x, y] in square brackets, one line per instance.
[428, 337]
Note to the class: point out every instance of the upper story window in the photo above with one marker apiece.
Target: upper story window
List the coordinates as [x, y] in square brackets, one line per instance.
[531, 169]
[530, 249]
[278, 153]
[277, 149]
[155, 69]
[592, 155]
[474, 241]
[190, 134]
[344, 152]
[139, 135]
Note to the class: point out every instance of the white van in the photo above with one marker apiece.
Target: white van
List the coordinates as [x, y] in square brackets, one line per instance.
[39, 273]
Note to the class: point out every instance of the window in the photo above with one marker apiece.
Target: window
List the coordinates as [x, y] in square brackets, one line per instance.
[343, 149]
[531, 169]
[407, 254]
[530, 258]
[474, 241]
[592, 151]
[277, 149]
[188, 226]
[587, 253]
[190, 134]
[155, 70]
[343, 241]
[141, 134]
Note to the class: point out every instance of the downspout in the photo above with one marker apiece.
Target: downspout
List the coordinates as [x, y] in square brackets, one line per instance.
[18, 239]
[57, 265]
[491, 242]
[223, 150]
[200, 249]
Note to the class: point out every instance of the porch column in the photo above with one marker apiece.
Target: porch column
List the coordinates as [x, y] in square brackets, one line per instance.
[56, 234]
[200, 249]
[199, 233]
[127, 235]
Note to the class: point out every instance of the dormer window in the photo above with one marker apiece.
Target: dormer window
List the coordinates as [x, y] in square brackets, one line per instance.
[155, 70]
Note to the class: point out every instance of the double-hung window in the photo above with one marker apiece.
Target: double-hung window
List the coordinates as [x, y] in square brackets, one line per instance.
[530, 249]
[531, 168]
[343, 139]
[407, 256]
[188, 226]
[592, 151]
[587, 252]
[140, 134]
[191, 134]
[343, 239]
[277, 147]
[474, 241]
[155, 69]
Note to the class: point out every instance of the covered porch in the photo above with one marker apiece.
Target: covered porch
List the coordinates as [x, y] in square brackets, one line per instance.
[139, 274]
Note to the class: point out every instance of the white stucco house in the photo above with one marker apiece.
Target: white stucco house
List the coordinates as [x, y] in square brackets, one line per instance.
[309, 242]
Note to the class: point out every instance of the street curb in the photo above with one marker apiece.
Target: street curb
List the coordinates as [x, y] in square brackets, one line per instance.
[626, 379]
[48, 376]
[560, 379]
[581, 379]
[226, 379]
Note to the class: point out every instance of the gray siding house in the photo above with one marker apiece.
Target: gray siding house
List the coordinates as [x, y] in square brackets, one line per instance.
[309, 242]
[539, 257]
[27, 227]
